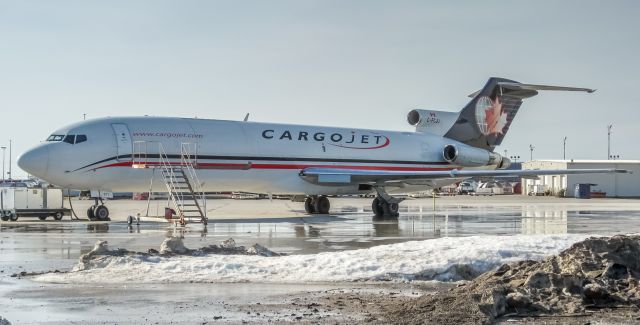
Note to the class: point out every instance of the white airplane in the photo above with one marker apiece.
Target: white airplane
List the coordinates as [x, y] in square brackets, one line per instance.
[98, 155]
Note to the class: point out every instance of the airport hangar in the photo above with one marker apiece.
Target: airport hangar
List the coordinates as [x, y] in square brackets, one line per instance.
[615, 185]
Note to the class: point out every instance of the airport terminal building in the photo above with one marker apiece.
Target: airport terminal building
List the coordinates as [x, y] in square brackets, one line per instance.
[614, 185]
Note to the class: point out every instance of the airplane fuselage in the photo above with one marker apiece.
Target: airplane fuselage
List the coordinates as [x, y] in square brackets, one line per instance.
[231, 155]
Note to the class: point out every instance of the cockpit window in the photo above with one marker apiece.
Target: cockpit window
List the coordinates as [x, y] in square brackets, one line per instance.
[70, 138]
[55, 137]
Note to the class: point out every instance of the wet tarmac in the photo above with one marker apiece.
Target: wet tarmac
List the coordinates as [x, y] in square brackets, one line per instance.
[35, 246]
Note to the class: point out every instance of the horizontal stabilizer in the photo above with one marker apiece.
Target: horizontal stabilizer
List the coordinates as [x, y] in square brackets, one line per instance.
[534, 88]
[518, 86]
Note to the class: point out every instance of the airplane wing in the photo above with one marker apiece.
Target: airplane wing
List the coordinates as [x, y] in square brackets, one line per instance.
[320, 176]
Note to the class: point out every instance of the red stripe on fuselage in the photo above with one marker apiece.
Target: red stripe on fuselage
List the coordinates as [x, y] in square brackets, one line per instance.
[283, 166]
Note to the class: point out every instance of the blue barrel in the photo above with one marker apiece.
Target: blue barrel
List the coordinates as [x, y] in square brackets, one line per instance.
[582, 191]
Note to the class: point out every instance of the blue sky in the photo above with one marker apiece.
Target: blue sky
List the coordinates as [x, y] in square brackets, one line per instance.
[343, 63]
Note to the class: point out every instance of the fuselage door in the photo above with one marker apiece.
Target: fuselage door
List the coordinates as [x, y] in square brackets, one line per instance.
[123, 141]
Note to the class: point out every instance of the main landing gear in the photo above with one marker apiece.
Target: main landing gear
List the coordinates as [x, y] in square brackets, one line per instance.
[385, 205]
[98, 212]
[317, 204]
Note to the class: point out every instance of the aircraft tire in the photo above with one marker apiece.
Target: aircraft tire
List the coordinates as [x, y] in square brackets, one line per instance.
[58, 216]
[390, 210]
[322, 205]
[43, 218]
[13, 216]
[308, 205]
[102, 213]
[4, 218]
[377, 209]
[90, 214]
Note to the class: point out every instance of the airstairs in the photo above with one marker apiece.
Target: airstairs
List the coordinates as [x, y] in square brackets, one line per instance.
[179, 176]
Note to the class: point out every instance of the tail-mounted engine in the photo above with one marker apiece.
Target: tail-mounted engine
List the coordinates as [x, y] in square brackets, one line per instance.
[468, 156]
[432, 121]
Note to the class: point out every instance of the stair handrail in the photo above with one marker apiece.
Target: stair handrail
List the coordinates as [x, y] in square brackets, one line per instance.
[139, 157]
[187, 159]
[176, 197]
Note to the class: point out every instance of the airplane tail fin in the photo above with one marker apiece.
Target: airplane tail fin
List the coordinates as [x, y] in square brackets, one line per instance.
[485, 120]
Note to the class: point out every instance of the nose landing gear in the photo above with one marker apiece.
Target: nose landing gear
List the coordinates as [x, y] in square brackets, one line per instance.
[98, 212]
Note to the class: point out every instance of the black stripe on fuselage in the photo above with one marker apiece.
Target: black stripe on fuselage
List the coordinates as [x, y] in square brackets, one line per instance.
[205, 157]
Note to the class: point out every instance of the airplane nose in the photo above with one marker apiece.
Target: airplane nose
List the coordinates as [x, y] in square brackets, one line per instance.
[35, 161]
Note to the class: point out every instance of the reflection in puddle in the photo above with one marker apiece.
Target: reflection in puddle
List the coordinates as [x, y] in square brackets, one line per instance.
[539, 221]
[98, 228]
[353, 228]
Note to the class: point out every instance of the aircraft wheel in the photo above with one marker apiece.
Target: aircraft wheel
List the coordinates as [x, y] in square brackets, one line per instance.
[13, 216]
[4, 218]
[90, 214]
[308, 205]
[102, 213]
[322, 205]
[43, 218]
[58, 216]
[377, 209]
[391, 209]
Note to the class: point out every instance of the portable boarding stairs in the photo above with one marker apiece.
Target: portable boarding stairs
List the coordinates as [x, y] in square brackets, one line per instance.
[180, 177]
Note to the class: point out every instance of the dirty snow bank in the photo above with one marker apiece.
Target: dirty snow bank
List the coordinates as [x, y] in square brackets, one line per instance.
[435, 259]
[594, 274]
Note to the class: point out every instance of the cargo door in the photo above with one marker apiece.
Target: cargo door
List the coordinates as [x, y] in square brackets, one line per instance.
[8, 199]
[20, 198]
[54, 198]
[34, 198]
[123, 141]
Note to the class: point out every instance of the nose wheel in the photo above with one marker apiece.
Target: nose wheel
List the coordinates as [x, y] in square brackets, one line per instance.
[98, 212]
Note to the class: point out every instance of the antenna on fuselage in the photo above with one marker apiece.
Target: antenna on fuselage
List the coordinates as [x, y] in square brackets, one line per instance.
[246, 117]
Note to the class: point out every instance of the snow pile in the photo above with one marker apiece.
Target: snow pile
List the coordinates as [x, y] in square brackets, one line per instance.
[173, 245]
[436, 259]
[4, 321]
[594, 274]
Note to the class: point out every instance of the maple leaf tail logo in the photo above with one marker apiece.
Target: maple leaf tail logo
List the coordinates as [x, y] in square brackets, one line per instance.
[490, 116]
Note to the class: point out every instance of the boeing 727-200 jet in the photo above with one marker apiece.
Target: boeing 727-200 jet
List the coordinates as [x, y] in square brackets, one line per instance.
[124, 154]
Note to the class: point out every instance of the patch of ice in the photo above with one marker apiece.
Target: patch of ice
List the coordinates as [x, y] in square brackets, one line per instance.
[435, 259]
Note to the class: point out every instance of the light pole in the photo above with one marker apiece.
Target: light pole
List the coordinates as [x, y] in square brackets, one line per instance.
[515, 158]
[531, 147]
[10, 145]
[564, 149]
[609, 140]
[4, 151]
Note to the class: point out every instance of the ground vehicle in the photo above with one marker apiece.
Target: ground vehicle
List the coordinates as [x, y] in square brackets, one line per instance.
[38, 202]
[490, 188]
[466, 187]
[537, 190]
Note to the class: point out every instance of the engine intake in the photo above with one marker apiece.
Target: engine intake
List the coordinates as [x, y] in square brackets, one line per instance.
[467, 156]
